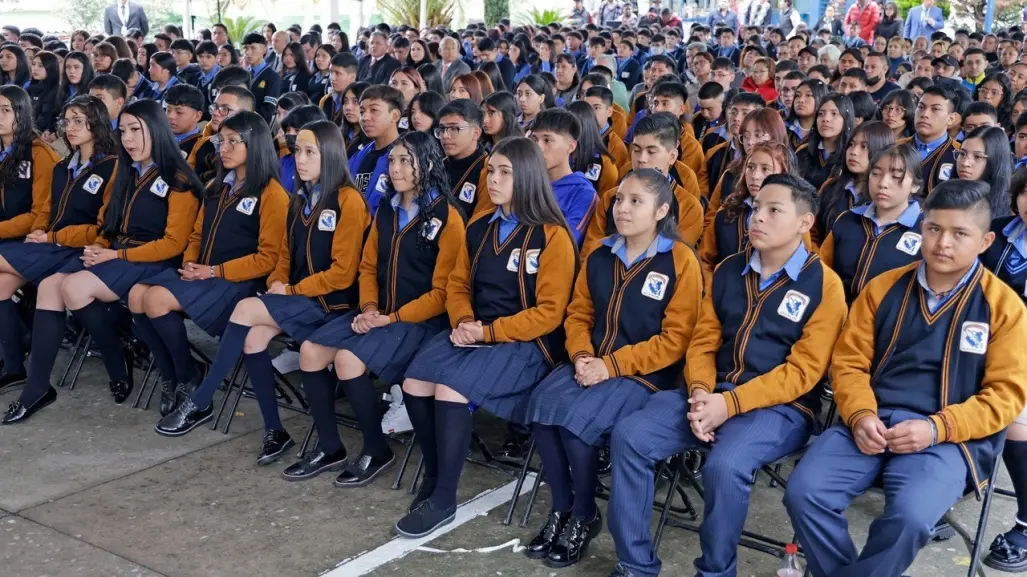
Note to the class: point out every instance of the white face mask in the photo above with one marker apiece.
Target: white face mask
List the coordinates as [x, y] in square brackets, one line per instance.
[657, 50]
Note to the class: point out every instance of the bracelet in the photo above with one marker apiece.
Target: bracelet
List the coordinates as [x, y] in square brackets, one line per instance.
[212, 272]
[934, 433]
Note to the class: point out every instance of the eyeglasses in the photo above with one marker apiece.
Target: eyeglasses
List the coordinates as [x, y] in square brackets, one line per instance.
[76, 123]
[990, 92]
[974, 156]
[447, 130]
[754, 136]
[230, 143]
[894, 109]
[222, 108]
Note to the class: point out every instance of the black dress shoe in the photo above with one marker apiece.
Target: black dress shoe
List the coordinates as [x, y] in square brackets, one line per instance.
[17, 412]
[184, 419]
[364, 470]
[943, 531]
[515, 448]
[314, 463]
[547, 536]
[168, 400]
[574, 542]
[1006, 554]
[184, 391]
[603, 463]
[11, 379]
[122, 389]
[424, 520]
[423, 493]
[275, 444]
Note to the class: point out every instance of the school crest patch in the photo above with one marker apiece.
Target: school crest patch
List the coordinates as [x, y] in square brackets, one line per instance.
[945, 171]
[159, 187]
[262, 83]
[404, 123]
[382, 185]
[531, 265]
[326, 222]
[974, 338]
[467, 192]
[25, 169]
[247, 205]
[593, 172]
[93, 184]
[909, 243]
[433, 229]
[514, 262]
[655, 286]
[793, 305]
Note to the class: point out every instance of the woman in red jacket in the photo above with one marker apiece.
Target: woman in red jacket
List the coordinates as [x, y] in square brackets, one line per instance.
[761, 80]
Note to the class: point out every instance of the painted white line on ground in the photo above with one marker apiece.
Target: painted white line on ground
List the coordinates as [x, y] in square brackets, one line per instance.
[513, 544]
[398, 548]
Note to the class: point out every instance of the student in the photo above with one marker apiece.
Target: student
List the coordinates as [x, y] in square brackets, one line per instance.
[76, 74]
[380, 109]
[527, 270]
[576, 406]
[863, 107]
[534, 94]
[204, 157]
[671, 97]
[112, 92]
[898, 111]
[291, 125]
[184, 106]
[352, 135]
[944, 319]
[265, 83]
[314, 281]
[808, 96]
[721, 155]
[984, 156]
[394, 318]
[163, 75]
[317, 86]
[1020, 142]
[824, 149]
[500, 118]
[882, 230]
[188, 71]
[846, 187]
[600, 98]
[80, 188]
[343, 73]
[591, 157]
[758, 406]
[46, 78]
[977, 114]
[295, 71]
[935, 116]
[218, 270]
[459, 132]
[206, 59]
[423, 111]
[556, 132]
[709, 123]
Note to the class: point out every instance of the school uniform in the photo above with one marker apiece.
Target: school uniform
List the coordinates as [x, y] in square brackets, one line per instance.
[331, 105]
[602, 173]
[190, 74]
[1007, 256]
[203, 158]
[937, 160]
[266, 86]
[370, 169]
[767, 365]
[796, 135]
[690, 153]
[629, 71]
[188, 141]
[577, 199]
[829, 212]
[725, 188]
[296, 81]
[205, 82]
[718, 158]
[712, 134]
[615, 144]
[26, 195]
[469, 180]
[317, 86]
[687, 208]
[860, 246]
[355, 141]
[908, 353]
[813, 164]
[619, 121]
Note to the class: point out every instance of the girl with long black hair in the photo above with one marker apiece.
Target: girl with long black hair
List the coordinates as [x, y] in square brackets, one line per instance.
[295, 72]
[412, 248]
[75, 77]
[534, 94]
[46, 79]
[591, 157]
[291, 125]
[81, 187]
[14, 66]
[233, 247]
[506, 298]
[500, 111]
[984, 155]
[352, 135]
[824, 149]
[803, 115]
[423, 111]
[320, 79]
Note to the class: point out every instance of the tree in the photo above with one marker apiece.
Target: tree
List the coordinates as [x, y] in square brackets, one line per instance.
[496, 10]
[1007, 12]
[84, 14]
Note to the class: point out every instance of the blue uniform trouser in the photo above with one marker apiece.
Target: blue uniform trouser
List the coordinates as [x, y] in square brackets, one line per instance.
[918, 489]
[744, 443]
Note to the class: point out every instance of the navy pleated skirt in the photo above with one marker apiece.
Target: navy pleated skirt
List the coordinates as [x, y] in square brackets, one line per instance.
[498, 378]
[386, 351]
[208, 302]
[121, 275]
[590, 413]
[36, 261]
[297, 316]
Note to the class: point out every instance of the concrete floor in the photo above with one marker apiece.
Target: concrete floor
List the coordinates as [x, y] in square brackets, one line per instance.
[87, 488]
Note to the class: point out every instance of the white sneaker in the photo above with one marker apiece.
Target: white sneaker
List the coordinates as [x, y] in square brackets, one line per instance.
[396, 420]
[288, 361]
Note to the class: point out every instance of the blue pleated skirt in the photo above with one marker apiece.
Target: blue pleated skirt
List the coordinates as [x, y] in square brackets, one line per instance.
[386, 351]
[297, 316]
[120, 275]
[590, 413]
[498, 378]
[36, 261]
[208, 302]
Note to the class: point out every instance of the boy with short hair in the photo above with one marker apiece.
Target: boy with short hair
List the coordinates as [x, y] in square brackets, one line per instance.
[112, 91]
[265, 83]
[759, 404]
[709, 123]
[342, 73]
[1020, 141]
[380, 110]
[459, 128]
[926, 376]
[184, 106]
[719, 156]
[188, 71]
[206, 60]
[671, 97]
[935, 117]
[978, 114]
[600, 98]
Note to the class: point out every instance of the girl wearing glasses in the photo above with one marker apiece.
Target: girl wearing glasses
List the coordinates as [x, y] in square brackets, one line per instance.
[81, 187]
[824, 149]
[898, 110]
[314, 281]
[984, 155]
[415, 239]
[233, 247]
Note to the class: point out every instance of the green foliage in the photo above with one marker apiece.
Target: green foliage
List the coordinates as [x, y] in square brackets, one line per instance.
[84, 14]
[239, 27]
[906, 5]
[496, 10]
[537, 17]
[396, 12]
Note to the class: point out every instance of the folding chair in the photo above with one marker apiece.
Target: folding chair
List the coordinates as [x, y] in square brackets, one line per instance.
[976, 543]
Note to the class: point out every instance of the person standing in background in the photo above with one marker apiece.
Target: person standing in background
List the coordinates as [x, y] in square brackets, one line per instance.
[923, 20]
[867, 14]
[122, 15]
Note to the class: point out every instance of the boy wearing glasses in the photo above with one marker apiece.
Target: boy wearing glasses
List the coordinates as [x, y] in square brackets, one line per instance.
[203, 158]
[460, 125]
[188, 71]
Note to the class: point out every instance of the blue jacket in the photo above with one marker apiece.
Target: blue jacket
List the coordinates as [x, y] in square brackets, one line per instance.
[577, 199]
[916, 26]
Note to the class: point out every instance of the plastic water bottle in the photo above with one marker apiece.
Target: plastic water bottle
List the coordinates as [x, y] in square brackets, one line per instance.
[789, 566]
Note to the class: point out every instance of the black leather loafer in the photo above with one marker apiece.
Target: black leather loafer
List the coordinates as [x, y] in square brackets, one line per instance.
[542, 544]
[274, 445]
[574, 542]
[424, 520]
[364, 470]
[314, 463]
[18, 412]
[168, 401]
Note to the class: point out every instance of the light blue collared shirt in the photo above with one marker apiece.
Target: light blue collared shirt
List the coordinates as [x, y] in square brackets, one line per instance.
[76, 166]
[181, 137]
[6, 152]
[141, 169]
[1016, 233]
[160, 94]
[619, 247]
[934, 300]
[207, 77]
[309, 202]
[408, 214]
[797, 129]
[793, 266]
[851, 187]
[232, 184]
[507, 223]
[928, 149]
[1021, 163]
[254, 71]
[907, 219]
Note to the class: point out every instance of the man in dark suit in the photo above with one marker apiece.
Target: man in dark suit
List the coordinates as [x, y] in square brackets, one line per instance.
[122, 15]
[450, 64]
[377, 67]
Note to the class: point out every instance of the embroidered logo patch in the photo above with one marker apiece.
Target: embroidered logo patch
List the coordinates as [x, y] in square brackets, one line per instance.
[270, 99]
[262, 83]
[247, 205]
[93, 184]
[25, 169]
[326, 221]
[531, 265]
[909, 243]
[404, 123]
[433, 229]
[467, 192]
[974, 338]
[793, 305]
[382, 185]
[655, 286]
[625, 74]
[593, 172]
[159, 187]
[945, 171]
[514, 262]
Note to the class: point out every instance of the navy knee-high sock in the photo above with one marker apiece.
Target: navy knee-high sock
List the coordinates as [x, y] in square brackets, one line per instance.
[47, 334]
[360, 392]
[143, 328]
[10, 338]
[582, 458]
[319, 386]
[1015, 457]
[262, 378]
[422, 416]
[229, 349]
[453, 439]
[100, 323]
[171, 330]
[555, 469]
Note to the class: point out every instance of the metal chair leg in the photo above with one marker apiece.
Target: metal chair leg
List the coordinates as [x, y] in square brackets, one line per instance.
[668, 502]
[235, 405]
[403, 464]
[82, 361]
[520, 483]
[74, 355]
[228, 393]
[143, 384]
[532, 496]
[306, 441]
[417, 476]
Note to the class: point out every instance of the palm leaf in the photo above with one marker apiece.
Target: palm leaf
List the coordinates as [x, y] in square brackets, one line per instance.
[439, 12]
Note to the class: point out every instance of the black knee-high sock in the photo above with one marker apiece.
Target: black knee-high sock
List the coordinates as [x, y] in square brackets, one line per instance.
[262, 378]
[100, 324]
[422, 416]
[319, 386]
[47, 333]
[453, 439]
[171, 330]
[360, 392]
[10, 338]
[1015, 457]
[143, 328]
[229, 349]
[554, 465]
[582, 458]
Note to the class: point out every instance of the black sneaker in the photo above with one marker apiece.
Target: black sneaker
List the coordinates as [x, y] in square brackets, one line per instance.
[184, 419]
[11, 380]
[574, 542]
[423, 493]
[275, 444]
[515, 448]
[364, 470]
[424, 520]
[314, 463]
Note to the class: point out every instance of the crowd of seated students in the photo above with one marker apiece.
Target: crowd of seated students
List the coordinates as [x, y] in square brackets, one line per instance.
[626, 243]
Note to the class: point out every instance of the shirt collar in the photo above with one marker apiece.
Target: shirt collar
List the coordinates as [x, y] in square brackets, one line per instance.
[206, 77]
[907, 219]
[6, 152]
[75, 165]
[1016, 233]
[921, 277]
[255, 70]
[929, 147]
[171, 82]
[619, 247]
[181, 137]
[230, 181]
[851, 188]
[141, 169]
[793, 266]
[500, 215]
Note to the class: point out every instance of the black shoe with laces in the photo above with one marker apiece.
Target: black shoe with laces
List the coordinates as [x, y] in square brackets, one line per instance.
[314, 463]
[620, 571]
[423, 493]
[168, 400]
[120, 390]
[186, 417]
[364, 470]
[274, 445]
[424, 520]
[17, 411]
[543, 542]
[574, 542]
